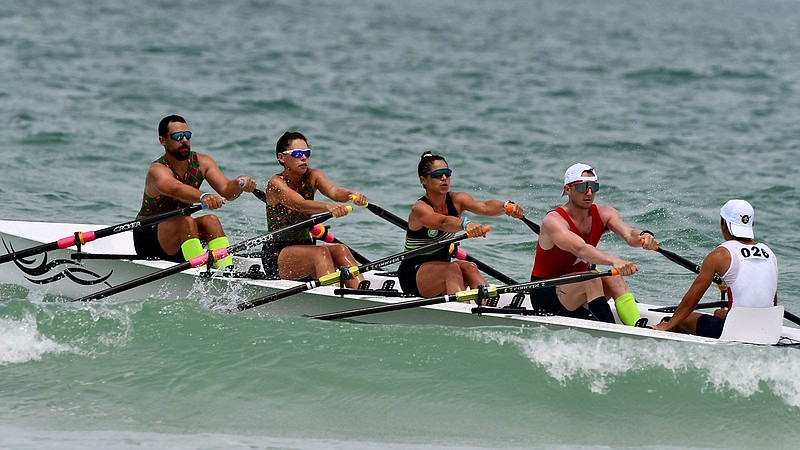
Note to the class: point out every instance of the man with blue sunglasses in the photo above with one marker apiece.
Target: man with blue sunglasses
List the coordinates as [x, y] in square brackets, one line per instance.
[568, 244]
[173, 181]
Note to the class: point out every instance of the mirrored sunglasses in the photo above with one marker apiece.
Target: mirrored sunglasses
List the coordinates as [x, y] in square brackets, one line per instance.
[298, 152]
[583, 187]
[178, 135]
[439, 172]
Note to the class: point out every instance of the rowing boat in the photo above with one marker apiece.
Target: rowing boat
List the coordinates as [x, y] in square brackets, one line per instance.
[74, 272]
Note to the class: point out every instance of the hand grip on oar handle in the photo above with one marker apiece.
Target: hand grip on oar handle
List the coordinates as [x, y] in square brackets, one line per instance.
[486, 229]
[509, 208]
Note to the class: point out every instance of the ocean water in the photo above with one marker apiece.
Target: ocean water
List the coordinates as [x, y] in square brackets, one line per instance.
[680, 105]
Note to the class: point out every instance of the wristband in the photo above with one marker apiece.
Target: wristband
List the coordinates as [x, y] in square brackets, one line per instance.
[464, 223]
[203, 195]
[647, 232]
[508, 202]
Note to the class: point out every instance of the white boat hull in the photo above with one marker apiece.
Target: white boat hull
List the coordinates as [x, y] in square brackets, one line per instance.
[58, 274]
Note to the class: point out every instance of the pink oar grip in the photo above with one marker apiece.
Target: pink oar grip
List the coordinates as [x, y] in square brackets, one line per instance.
[318, 231]
[461, 254]
[66, 242]
[84, 237]
[198, 260]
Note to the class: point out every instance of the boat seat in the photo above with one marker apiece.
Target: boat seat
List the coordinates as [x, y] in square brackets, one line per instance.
[753, 325]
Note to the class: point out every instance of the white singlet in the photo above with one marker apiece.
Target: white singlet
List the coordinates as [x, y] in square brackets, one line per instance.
[752, 278]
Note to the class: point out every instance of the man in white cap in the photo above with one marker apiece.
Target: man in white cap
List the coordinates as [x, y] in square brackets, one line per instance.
[568, 244]
[749, 269]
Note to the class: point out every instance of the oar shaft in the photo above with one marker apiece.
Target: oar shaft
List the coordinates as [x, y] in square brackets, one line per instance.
[672, 309]
[467, 295]
[680, 260]
[275, 296]
[84, 237]
[136, 282]
[532, 225]
[386, 215]
[386, 308]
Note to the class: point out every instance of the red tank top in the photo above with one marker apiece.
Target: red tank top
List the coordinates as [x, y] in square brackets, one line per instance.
[556, 262]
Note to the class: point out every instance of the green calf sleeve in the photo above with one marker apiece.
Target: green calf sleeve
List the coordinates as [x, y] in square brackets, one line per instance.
[191, 248]
[220, 242]
[626, 309]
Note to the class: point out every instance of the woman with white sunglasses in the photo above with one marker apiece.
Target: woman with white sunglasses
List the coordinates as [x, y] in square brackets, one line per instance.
[290, 199]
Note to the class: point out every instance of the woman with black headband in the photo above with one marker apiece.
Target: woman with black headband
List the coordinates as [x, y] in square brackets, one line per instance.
[439, 215]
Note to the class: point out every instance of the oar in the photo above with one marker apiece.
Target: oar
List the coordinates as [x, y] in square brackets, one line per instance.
[531, 224]
[401, 223]
[203, 259]
[467, 295]
[680, 260]
[672, 309]
[82, 237]
[320, 232]
[354, 271]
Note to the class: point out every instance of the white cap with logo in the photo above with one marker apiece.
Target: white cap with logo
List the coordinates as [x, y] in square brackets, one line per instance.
[575, 173]
[738, 214]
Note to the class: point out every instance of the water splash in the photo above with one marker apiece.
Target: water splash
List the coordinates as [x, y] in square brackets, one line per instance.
[21, 341]
[742, 370]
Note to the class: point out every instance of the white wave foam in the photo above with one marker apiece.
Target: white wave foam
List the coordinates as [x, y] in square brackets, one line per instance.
[745, 370]
[21, 341]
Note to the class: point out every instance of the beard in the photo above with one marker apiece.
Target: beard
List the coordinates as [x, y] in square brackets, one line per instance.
[181, 153]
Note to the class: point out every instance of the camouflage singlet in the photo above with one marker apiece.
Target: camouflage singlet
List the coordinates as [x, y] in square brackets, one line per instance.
[280, 216]
[162, 203]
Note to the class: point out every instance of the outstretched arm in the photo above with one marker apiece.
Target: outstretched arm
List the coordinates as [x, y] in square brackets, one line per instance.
[465, 202]
[334, 192]
[230, 189]
[635, 237]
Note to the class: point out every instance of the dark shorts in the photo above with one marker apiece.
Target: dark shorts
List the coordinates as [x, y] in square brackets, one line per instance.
[145, 241]
[270, 252]
[407, 276]
[545, 301]
[710, 326]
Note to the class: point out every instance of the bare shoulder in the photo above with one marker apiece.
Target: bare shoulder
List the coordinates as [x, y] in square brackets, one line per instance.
[553, 218]
[204, 159]
[276, 181]
[607, 211]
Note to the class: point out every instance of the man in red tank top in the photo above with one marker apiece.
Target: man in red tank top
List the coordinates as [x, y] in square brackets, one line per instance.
[568, 244]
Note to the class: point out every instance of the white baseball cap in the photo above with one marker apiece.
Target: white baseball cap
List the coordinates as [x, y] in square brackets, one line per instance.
[575, 173]
[738, 214]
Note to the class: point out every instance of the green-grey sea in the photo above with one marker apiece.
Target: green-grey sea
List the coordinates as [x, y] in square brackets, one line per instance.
[681, 105]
